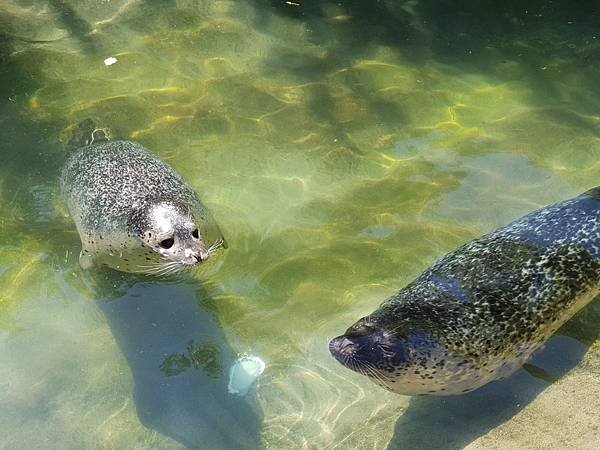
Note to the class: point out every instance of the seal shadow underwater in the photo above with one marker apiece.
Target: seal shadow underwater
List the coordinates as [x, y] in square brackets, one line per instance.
[179, 361]
[452, 422]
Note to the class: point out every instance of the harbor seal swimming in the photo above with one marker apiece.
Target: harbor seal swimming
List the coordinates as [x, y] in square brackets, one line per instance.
[134, 213]
[482, 310]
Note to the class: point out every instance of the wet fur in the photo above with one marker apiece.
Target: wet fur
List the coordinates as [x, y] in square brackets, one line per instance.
[110, 186]
[480, 312]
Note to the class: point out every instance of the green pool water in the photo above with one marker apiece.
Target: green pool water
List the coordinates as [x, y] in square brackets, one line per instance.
[343, 147]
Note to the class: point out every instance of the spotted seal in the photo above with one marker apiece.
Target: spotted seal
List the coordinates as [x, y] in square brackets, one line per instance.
[482, 310]
[134, 213]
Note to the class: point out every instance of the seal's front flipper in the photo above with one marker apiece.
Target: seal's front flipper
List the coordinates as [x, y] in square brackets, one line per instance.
[539, 373]
[594, 193]
[85, 260]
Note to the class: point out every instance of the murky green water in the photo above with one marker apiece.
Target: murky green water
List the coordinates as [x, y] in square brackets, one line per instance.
[343, 147]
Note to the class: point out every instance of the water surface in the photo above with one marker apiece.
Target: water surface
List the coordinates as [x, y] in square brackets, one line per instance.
[343, 148]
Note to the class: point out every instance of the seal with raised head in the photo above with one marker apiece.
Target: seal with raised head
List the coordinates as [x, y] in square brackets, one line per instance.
[134, 213]
[479, 313]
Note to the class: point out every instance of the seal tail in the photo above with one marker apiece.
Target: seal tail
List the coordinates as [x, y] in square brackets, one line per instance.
[86, 133]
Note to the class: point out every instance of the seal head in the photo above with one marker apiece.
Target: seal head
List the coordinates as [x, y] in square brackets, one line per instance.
[406, 360]
[169, 228]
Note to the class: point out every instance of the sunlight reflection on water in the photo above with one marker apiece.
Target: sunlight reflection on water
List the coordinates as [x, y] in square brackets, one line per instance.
[342, 148]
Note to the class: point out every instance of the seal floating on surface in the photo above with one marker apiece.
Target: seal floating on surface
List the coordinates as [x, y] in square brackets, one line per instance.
[134, 213]
[482, 310]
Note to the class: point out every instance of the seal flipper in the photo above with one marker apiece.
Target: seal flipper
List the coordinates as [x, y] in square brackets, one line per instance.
[538, 372]
[594, 193]
[85, 260]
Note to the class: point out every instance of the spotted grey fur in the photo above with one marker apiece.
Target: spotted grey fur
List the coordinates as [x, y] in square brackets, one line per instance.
[482, 310]
[113, 189]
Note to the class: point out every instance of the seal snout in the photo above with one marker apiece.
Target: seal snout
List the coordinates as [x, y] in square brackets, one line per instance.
[196, 255]
[352, 344]
[368, 348]
[200, 256]
[346, 346]
[342, 348]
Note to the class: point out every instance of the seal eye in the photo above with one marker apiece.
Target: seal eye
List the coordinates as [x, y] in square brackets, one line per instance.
[167, 243]
[195, 233]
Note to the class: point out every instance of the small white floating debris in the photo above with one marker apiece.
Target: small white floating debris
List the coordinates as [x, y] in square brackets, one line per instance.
[243, 374]
[110, 61]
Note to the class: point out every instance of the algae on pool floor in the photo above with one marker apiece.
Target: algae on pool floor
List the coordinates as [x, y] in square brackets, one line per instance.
[343, 148]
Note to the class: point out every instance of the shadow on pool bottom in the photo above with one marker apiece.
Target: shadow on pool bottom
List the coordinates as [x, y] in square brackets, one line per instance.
[453, 422]
[180, 364]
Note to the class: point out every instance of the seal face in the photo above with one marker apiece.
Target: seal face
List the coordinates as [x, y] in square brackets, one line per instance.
[482, 310]
[134, 213]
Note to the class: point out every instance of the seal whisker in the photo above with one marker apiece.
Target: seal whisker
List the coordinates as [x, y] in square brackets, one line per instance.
[171, 267]
[160, 268]
[215, 246]
[376, 374]
[149, 269]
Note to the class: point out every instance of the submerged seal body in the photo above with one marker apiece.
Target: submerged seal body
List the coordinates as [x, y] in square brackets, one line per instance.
[482, 310]
[134, 213]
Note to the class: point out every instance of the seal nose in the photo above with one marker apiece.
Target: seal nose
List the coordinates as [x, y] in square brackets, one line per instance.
[340, 346]
[201, 255]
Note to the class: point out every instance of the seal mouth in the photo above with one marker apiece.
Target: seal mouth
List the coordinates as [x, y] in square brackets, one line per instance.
[194, 257]
[369, 355]
[357, 352]
[345, 350]
[370, 350]
[193, 261]
[362, 334]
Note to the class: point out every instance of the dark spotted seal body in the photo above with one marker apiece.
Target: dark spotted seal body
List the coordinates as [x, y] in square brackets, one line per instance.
[134, 213]
[482, 310]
